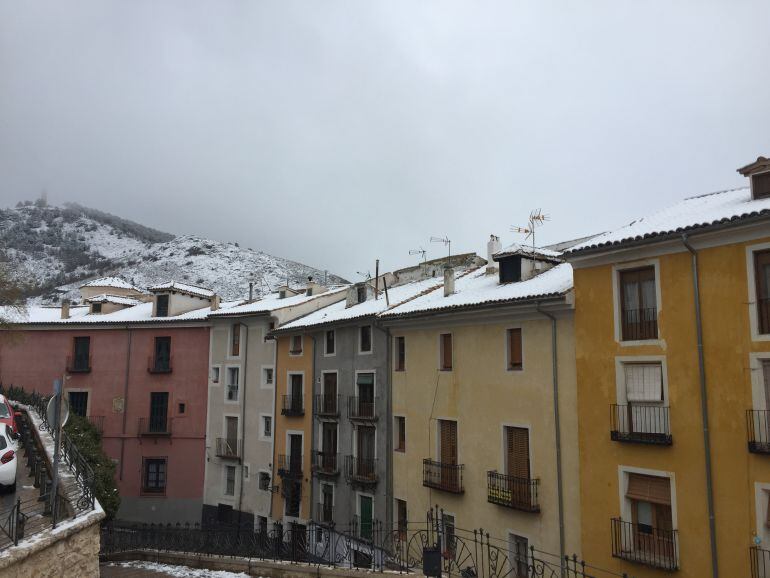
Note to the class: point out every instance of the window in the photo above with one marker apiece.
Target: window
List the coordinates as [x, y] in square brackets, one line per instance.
[96, 307]
[510, 269]
[270, 327]
[326, 514]
[235, 340]
[762, 276]
[78, 403]
[158, 422]
[400, 353]
[402, 522]
[365, 516]
[400, 427]
[364, 407]
[267, 376]
[292, 495]
[162, 358]
[296, 345]
[644, 382]
[161, 306]
[651, 517]
[448, 541]
[215, 374]
[267, 426]
[447, 476]
[264, 481]
[445, 362]
[760, 185]
[229, 480]
[296, 392]
[365, 339]
[361, 293]
[638, 304]
[182, 408]
[515, 359]
[262, 525]
[519, 549]
[233, 375]
[154, 475]
[330, 342]
[82, 354]
[517, 454]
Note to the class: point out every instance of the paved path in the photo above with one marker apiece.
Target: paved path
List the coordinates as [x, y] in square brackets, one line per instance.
[28, 494]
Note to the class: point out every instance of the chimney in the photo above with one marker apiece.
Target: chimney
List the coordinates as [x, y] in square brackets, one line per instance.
[759, 176]
[449, 281]
[215, 302]
[493, 246]
[251, 291]
[65, 309]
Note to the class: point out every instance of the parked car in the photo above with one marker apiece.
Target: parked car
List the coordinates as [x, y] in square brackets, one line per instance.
[7, 459]
[7, 415]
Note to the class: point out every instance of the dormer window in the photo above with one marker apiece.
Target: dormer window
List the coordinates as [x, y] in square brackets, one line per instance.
[361, 293]
[161, 309]
[760, 185]
[510, 269]
[282, 294]
[96, 307]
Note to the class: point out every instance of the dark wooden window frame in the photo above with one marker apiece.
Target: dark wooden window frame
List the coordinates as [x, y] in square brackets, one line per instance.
[762, 259]
[647, 330]
[515, 349]
[400, 352]
[157, 489]
[446, 352]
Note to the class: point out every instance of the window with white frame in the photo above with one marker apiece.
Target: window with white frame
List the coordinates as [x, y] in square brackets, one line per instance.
[229, 480]
[264, 481]
[215, 374]
[267, 376]
[645, 410]
[233, 375]
[267, 426]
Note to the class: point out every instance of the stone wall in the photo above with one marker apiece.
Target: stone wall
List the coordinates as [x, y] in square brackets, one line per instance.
[69, 551]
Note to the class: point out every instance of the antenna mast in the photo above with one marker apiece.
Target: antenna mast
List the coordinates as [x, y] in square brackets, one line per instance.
[536, 218]
[445, 239]
[422, 252]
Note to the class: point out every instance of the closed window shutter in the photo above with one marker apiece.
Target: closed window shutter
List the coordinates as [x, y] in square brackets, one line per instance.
[236, 344]
[644, 382]
[514, 349]
[517, 442]
[448, 442]
[652, 489]
[446, 351]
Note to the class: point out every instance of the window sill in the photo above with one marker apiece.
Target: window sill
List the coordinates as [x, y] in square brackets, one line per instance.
[642, 342]
[152, 494]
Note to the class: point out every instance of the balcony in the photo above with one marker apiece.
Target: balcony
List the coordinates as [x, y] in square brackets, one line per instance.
[97, 421]
[758, 427]
[324, 514]
[517, 493]
[361, 471]
[292, 406]
[639, 324]
[79, 364]
[232, 392]
[327, 406]
[159, 426]
[360, 408]
[228, 448]
[290, 466]
[645, 545]
[760, 562]
[641, 424]
[325, 463]
[444, 477]
[159, 364]
[363, 528]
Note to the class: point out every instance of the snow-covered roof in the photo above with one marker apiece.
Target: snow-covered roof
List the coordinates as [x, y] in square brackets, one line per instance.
[693, 213]
[116, 299]
[115, 282]
[528, 251]
[178, 287]
[338, 312]
[273, 302]
[476, 288]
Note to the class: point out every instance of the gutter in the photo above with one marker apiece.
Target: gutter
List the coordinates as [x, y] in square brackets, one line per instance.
[557, 426]
[125, 401]
[704, 407]
[243, 418]
[312, 427]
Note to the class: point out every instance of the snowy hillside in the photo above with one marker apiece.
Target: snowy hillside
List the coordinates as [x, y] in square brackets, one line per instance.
[54, 249]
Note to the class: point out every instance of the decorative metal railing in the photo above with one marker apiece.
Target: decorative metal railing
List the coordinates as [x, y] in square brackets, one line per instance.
[326, 463]
[228, 448]
[443, 476]
[361, 408]
[644, 544]
[513, 492]
[327, 405]
[292, 406]
[758, 430]
[159, 425]
[361, 470]
[290, 466]
[639, 423]
[639, 324]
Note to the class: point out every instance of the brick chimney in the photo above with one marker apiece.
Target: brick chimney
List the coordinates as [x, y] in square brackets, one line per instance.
[449, 281]
[65, 309]
[493, 246]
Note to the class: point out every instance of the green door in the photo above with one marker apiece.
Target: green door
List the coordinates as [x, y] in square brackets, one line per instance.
[365, 505]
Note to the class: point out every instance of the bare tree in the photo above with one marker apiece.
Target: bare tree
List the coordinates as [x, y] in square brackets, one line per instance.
[11, 298]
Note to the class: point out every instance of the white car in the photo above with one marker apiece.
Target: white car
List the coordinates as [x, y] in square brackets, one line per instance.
[8, 459]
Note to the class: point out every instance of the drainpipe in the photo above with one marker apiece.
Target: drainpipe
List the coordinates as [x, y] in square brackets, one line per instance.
[389, 432]
[125, 401]
[243, 418]
[272, 438]
[704, 407]
[312, 428]
[557, 423]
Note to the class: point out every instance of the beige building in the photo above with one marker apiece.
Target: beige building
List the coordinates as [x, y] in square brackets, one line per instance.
[474, 404]
[241, 419]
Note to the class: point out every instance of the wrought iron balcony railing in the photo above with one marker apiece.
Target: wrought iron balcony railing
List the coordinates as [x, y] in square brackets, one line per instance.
[441, 476]
[360, 470]
[327, 405]
[290, 466]
[513, 492]
[758, 429]
[155, 426]
[78, 364]
[637, 423]
[639, 324]
[324, 514]
[361, 408]
[158, 364]
[326, 463]
[645, 544]
[228, 448]
[292, 406]
[363, 528]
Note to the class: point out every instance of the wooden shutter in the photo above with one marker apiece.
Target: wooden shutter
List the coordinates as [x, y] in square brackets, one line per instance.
[514, 349]
[762, 277]
[446, 351]
[236, 339]
[401, 432]
[448, 448]
[330, 387]
[760, 185]
[400, 353]
[652, 489]
[517, 451]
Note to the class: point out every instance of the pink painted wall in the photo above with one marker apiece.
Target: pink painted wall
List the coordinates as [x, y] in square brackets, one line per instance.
[34, 358]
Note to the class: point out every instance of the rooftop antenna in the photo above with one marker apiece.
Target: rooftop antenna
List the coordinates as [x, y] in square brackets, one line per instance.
[536, 218]
[446, 242]
[422, 252]
[366, 275]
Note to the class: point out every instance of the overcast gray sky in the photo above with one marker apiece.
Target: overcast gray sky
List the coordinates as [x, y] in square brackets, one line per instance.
[337, 132]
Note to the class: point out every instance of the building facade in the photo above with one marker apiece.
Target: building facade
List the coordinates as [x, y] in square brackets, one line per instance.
[673, 366]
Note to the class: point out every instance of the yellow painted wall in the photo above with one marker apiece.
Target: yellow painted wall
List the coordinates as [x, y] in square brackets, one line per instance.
[286, 364]
[483, 396]
[727, 345]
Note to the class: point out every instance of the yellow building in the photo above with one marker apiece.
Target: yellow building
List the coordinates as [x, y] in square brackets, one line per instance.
[473, 405]
[293, 429]
[675, 471]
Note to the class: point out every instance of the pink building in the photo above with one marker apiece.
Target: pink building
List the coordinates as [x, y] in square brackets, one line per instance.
[137, 365]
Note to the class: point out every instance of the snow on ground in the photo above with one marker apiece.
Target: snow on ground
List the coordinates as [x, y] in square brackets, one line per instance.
[177, 571]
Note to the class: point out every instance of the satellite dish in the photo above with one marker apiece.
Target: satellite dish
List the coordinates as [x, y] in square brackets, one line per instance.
[51, 411]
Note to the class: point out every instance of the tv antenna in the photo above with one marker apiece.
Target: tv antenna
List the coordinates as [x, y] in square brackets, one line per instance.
[421, 252]
[446, 242]
[536, 219]
[366, 275]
